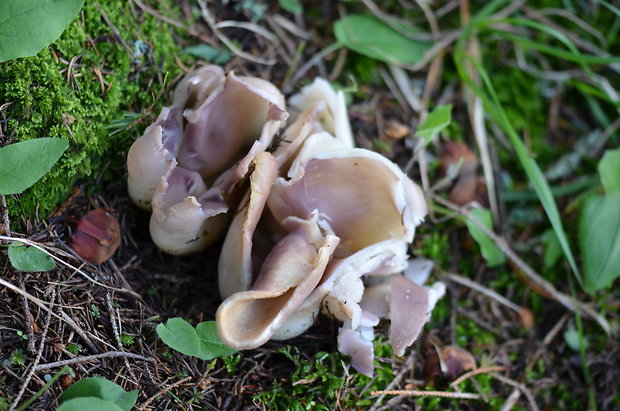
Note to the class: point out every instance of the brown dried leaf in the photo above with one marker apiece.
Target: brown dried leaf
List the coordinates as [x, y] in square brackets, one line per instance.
[396, 130]
[464, 191]
[466, 188]
[96, 237]
[456, 361]
[453, 152]
[526, 318]
[432, 363]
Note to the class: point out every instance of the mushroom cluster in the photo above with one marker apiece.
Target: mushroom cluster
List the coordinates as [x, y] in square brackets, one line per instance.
[317, 226]
[186, 165]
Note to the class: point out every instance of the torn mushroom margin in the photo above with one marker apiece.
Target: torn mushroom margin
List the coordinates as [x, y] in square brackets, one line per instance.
[346, 229]
[189, 161]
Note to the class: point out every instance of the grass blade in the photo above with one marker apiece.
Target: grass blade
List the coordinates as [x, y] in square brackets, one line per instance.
[556, 52]
[532, 170]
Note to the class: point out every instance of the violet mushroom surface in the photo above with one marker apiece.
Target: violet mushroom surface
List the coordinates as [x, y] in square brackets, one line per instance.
[350, 213]
[307, 135]
[400, 297]
[334, 119]
[187, 162]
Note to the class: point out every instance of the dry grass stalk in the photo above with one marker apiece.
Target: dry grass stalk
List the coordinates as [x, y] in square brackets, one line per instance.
[440, 394]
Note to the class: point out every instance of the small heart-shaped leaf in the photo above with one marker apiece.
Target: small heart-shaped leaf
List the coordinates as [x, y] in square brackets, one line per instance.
[29, 259]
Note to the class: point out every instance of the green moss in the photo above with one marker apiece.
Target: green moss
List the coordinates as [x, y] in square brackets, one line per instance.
[432, 243]
[314, 383]
[321, 382]
[440, 314]
[46, 101]
[521, 96]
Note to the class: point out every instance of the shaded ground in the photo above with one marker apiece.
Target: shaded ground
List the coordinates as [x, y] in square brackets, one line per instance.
[114, 308]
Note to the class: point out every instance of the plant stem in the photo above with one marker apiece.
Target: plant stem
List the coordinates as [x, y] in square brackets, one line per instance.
[64, 370]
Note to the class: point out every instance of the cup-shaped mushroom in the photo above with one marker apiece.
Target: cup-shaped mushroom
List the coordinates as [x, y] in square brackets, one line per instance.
[334, 119]
[184, 219]
[198, 86]
[235, 264]
[218, 130]
[357, 344]
[360, 195]
[399, 297]
[353, 196]
[150, 156]
[342, 288]
[207, 139]
[289, 273]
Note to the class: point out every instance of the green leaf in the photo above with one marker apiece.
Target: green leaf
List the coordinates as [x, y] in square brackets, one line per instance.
[553, 249]
[292, 6]
[100, 389]
[26, 26]
[373, 38]
[491, 253]
[209, 53]
[179, 335]
[599, 239]
[609, 170]
[434, 122]
[22, 164]
[202, 342]
[90, 404]
[571, 336]
[29, 259]
[210, 344]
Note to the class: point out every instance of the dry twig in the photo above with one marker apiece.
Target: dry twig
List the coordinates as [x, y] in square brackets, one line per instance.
[33, 368]
[441, 394]
[477, 371]
[44, 248]
[5, 222]
[406, 368]
[87, 358]
[113, 316]
[63, 317]
[162, 392]
[210, 20]
[482, 289]
[520, 387]
[28, 320]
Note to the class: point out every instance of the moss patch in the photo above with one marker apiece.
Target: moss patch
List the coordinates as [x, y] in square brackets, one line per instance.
[77, 87]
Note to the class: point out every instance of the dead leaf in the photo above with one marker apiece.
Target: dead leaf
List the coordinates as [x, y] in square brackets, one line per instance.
[431, 360]
[396, 130]
[467, 187]
[526, 318]
[456, 361]
[97, 236]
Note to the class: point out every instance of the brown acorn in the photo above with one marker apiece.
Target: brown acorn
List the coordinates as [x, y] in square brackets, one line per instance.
[97, 236]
